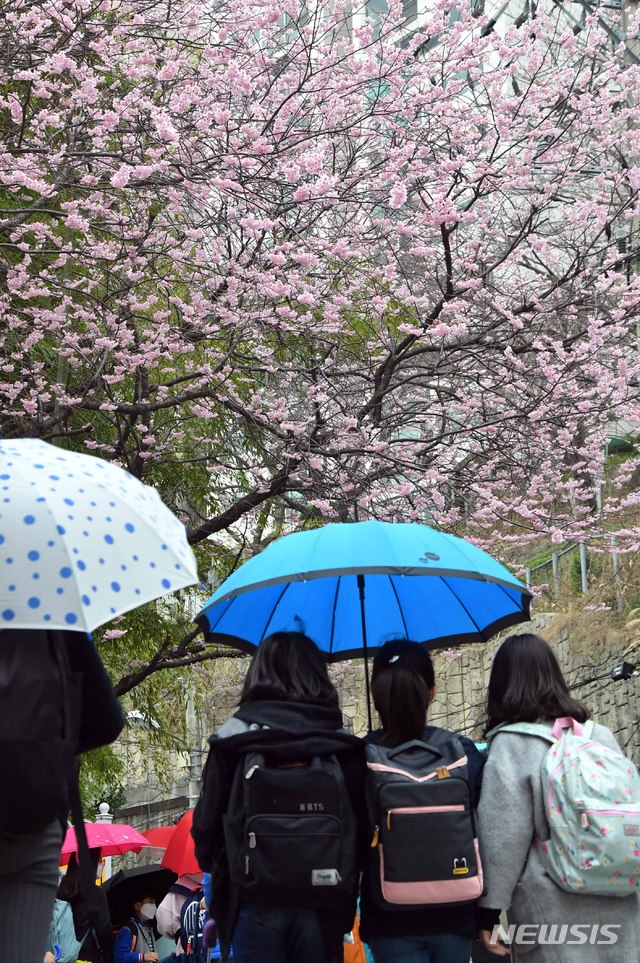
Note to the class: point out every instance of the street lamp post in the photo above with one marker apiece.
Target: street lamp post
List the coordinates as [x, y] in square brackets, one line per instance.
[104, 816]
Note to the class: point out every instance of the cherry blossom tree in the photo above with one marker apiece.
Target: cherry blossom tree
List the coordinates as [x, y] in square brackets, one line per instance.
[292, 263]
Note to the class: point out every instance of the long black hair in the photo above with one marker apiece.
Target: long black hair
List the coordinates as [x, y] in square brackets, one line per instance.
[289, 667]
[526, 683]
[402, 682]
[71, 883]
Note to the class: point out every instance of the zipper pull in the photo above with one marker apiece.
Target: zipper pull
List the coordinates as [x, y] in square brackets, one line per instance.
[252, 841]
[585, 821]
[250, 772]
[376, 836]
[389, 820]
[246, 866]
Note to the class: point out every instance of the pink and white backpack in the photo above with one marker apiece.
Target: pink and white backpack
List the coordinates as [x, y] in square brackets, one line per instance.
[592, 804]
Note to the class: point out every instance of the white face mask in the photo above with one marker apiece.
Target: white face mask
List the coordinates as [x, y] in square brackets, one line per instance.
[148, 911]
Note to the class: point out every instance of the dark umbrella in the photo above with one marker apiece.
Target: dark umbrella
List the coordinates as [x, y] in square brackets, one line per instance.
[127, 884]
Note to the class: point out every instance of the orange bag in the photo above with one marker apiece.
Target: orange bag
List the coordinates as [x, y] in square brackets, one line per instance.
[355, 952]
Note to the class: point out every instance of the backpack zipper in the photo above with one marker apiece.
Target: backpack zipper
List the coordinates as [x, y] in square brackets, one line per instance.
[585, 813]
[419, 810]
[441, 773]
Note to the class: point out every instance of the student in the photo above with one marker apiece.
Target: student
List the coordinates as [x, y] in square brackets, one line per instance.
[288, 703]
[32, 711]
[136, 941]
[526, 685]
[169, 911]
[91, 919]
[403, 686]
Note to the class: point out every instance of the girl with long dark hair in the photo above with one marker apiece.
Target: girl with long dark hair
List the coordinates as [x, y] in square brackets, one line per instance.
[287, 697]
[403, 686]
[526, 685]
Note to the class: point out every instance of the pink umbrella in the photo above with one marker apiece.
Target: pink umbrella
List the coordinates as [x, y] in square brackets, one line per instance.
[112, 839]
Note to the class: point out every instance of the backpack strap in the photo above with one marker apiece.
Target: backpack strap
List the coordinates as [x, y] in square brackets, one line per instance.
[566, 722]
[84, 938]
[523, 729]
[87, 876]
[179, 890]
[71, 727]
[543, 731]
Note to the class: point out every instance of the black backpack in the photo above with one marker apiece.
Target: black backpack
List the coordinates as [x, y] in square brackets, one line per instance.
[424, 845]
[55, 700]
[192, 920]
[290, 832]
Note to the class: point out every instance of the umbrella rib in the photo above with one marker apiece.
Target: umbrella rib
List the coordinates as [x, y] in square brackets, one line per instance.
[464, 607]
[333, 613]
[406, 630]
[273, 611]
[502, 588]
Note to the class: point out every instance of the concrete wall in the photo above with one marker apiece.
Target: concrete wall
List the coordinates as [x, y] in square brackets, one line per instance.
[587, 644]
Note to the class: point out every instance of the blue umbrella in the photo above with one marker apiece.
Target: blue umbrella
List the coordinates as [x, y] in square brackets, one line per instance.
[350, 587]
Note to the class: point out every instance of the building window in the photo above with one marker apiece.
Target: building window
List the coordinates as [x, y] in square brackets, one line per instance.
[376, 8]
[410, 9]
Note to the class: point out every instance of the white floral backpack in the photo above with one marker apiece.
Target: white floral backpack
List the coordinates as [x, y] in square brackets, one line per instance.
[592, 804]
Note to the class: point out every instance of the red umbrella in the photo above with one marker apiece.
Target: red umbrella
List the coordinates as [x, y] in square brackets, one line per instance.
[159, 836]
[112, 839]
[180, 853]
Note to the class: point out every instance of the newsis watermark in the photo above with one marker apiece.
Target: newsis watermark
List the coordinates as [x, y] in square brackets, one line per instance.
[558, 934]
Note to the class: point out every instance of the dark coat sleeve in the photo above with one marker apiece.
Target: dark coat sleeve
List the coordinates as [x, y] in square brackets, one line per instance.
[208, 836]
[475, 768]
[354, 767]
[101, 717]
[207, 829]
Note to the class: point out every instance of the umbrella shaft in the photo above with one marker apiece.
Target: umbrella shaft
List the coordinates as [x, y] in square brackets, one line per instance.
[364, 648]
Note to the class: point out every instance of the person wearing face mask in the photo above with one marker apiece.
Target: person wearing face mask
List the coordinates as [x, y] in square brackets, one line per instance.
[91, 919]
[136, 941]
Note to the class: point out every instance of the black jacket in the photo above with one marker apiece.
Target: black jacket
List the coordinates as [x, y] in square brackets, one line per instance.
[294, 729]
[460, 920]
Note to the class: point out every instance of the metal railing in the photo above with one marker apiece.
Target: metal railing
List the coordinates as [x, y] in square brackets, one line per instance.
[581, 547]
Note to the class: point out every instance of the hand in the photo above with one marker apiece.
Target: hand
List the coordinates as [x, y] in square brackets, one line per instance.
[497, 948]
[150, 958]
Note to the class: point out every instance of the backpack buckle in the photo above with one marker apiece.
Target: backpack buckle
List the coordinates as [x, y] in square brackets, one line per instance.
[443, 773]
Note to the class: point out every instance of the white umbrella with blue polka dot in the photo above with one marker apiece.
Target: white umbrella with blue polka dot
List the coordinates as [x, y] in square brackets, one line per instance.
[81, 540]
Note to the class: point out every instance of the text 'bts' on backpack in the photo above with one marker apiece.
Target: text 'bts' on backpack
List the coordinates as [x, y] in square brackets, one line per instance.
[592, 804]
[424, 846]
[290, 832]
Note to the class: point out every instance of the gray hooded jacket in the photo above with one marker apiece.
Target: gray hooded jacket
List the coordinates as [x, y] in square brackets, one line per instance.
[511, 811]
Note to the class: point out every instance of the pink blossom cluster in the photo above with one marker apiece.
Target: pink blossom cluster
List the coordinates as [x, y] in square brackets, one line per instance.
[263, 254]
